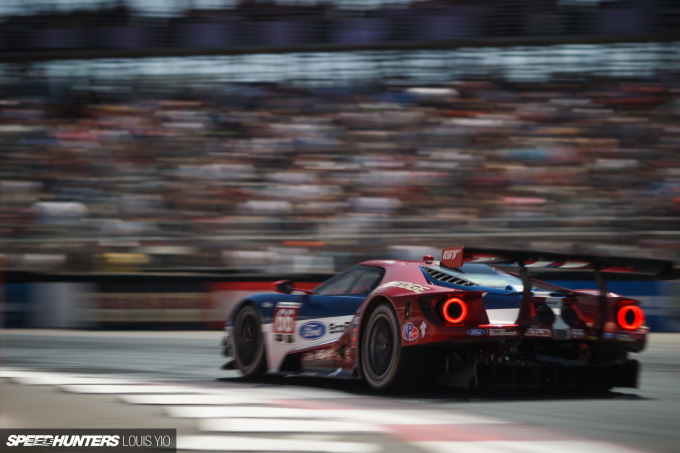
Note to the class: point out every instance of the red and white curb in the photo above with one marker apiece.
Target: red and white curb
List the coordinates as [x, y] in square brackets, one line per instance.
[258, 444]
[314, 420]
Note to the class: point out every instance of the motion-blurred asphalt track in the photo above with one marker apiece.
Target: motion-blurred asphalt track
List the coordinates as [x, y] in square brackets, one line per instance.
[84, 379]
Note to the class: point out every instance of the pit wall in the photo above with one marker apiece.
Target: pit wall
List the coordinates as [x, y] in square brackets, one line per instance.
[134, 301]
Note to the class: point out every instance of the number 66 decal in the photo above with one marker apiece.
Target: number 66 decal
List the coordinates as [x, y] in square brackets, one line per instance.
[284, 317]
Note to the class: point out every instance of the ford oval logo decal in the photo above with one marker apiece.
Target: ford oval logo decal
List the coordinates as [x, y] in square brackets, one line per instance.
[312, 330]
[476, 332]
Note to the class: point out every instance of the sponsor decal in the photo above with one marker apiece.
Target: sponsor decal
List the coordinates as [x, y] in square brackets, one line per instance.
[338, 328]
[355, 329]
[320, 354]
[290, 338]
[452, 257]
[450, 254]
[624, 337]
[278, 338]
[502, 333]
[414, 287]
[284, 317]
[476, 332]
[312, 330]
[409, 332]
[608, 336]
[423, 326]
[578, 334]
[288, 305]
[545, 333]
[90, 440]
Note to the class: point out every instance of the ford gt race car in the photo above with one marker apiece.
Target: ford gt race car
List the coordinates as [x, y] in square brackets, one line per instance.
[461, 320]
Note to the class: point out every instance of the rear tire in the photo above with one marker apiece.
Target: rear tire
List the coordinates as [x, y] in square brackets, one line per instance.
[381, 353]
[249, 342]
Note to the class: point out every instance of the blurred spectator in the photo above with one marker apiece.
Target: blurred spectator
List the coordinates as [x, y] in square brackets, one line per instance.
[227, 180]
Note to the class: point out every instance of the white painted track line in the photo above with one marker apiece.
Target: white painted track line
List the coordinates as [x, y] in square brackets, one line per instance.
[23, 377]
[69, 380]
[374, 416]
[285, 426]
[74, 381]
[193, 400]
[534, 446]
[286, 393]
[213, 396]
[242, 412]
[158, 388]
[130, 389]
[256, 444]
[11, 372]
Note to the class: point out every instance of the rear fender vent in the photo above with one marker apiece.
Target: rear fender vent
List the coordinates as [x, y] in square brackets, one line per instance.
[446, 278]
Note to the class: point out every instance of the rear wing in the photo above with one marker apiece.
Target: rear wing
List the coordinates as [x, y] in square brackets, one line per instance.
[455, 257]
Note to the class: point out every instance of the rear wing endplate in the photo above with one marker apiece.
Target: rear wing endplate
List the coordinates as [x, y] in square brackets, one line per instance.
[455, 257]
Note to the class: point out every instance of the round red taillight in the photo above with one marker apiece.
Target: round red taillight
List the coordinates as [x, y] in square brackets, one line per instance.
[454, 310]
[630, 317]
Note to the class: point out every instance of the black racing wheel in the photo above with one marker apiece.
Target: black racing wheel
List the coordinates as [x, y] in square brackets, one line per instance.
[381, 348]
[249, 342]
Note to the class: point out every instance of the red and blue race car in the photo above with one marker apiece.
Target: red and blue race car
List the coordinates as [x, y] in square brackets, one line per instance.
[465, 321]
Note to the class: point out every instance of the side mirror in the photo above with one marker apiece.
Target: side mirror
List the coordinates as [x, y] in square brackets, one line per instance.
[287, 287]
[283, 286]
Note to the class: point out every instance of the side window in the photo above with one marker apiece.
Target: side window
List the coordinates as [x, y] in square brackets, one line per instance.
[339, 285]
[359, 280]
[368, 280]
